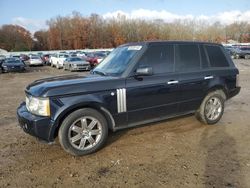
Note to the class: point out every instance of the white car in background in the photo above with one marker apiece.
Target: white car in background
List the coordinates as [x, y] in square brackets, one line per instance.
[35, 60]
[57, 60]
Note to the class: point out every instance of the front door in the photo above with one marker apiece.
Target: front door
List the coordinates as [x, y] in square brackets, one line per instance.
[152, 97]
[156, 96]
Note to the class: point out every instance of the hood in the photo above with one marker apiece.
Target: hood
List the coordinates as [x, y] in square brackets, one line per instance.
[71, 84]
[13, 64]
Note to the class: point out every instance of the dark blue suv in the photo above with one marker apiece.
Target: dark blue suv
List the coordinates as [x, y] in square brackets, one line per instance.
[137, 83]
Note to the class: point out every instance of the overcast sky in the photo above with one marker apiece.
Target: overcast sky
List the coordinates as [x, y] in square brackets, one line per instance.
[32, 14]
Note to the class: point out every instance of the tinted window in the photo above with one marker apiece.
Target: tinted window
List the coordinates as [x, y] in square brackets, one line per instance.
[34, 57]
[216, 56]
[204, 59]
[187, 57]
[160, 58]
[75, 59]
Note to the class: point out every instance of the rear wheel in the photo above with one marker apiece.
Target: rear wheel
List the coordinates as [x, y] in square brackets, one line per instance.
[212, 107]
[57, 65]
[247, 56]
[83, 132]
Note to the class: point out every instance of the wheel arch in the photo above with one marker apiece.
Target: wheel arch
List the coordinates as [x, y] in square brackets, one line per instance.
[94, 105]
[218, 87]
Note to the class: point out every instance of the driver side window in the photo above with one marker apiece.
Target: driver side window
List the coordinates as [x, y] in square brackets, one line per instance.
[159, 57]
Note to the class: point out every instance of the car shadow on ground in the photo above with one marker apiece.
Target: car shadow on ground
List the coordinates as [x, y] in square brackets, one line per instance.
[222, 166]
[175, 124]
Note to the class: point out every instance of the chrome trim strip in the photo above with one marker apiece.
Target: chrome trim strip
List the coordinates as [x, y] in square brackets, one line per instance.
[118, 101]
[121, 100]
[125, 100]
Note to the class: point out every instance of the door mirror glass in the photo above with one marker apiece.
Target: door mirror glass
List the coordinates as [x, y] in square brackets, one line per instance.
[145, 71]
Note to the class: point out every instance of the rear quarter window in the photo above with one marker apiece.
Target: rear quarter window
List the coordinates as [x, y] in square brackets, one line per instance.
[216, 56]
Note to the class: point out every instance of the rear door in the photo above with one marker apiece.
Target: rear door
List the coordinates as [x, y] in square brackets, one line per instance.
[155, 96]
[192, 78]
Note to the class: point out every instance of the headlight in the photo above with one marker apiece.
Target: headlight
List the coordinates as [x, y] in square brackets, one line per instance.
[38, 106]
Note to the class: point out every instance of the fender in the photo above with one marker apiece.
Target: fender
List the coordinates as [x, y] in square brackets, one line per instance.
[217, 83]
[72, 103]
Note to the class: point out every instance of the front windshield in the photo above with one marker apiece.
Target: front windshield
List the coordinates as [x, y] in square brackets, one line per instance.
[35, 57]
[13, 61]
[117, 61]
[75, 59]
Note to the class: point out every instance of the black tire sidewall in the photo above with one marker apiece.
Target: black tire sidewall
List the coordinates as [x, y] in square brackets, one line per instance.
[210, 122]
[63, 131]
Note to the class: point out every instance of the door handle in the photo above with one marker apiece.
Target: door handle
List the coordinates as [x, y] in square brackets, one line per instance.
[208, 77]
[173, 82]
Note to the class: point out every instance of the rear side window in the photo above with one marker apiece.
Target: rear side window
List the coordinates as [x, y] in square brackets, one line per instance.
[204, 59]
[216, 56]
[159, 57]
[187, 57]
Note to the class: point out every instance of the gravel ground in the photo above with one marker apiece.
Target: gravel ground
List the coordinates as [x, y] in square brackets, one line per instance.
[180, 152]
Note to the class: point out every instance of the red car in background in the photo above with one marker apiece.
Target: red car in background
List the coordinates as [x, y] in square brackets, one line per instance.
[95, 58]
[45, 59]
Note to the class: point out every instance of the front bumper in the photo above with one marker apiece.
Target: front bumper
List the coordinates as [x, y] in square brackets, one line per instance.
[80, 67]
[13, 69]
[38, 126]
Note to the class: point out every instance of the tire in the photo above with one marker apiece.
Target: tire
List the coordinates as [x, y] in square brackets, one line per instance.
[57, 65]
[247, 56]
[64, 68]
[70, 68]
[73, 128]
[211, 108]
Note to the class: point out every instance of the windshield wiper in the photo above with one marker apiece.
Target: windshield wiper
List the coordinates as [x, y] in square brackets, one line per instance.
[99, 72]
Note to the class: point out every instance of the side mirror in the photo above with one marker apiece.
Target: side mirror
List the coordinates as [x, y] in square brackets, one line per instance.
[145, 71]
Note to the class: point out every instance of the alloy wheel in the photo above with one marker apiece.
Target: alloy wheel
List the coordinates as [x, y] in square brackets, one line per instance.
[85, 133]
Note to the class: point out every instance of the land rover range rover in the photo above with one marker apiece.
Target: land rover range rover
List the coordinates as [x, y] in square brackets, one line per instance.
[137, 83]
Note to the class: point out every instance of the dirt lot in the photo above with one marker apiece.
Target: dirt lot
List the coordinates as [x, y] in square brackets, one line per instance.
[179, 152]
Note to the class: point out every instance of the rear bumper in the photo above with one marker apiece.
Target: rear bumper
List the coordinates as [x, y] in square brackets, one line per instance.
[233, 92]
[36, 63]
[37, 126]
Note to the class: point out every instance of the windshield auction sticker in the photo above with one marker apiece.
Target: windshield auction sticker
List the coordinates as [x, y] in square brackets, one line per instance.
[134, 47]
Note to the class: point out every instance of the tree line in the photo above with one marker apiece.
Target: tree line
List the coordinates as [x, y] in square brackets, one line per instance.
[79, 32]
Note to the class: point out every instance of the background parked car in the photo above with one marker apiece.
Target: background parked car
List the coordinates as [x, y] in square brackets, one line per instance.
[58, 59]
[2, 57]
[35, 60]
[76, 64]
[95, 58]
[241, 52]
[24, 58]
[246, 52]
[46, 59]
[12, 65]
[1, 62]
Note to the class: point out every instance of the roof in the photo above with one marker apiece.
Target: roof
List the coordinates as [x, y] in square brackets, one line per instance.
[169, 42]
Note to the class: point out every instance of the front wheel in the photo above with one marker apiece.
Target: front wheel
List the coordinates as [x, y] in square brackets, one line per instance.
[212, 107]
[83, 132]
[57, 65]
